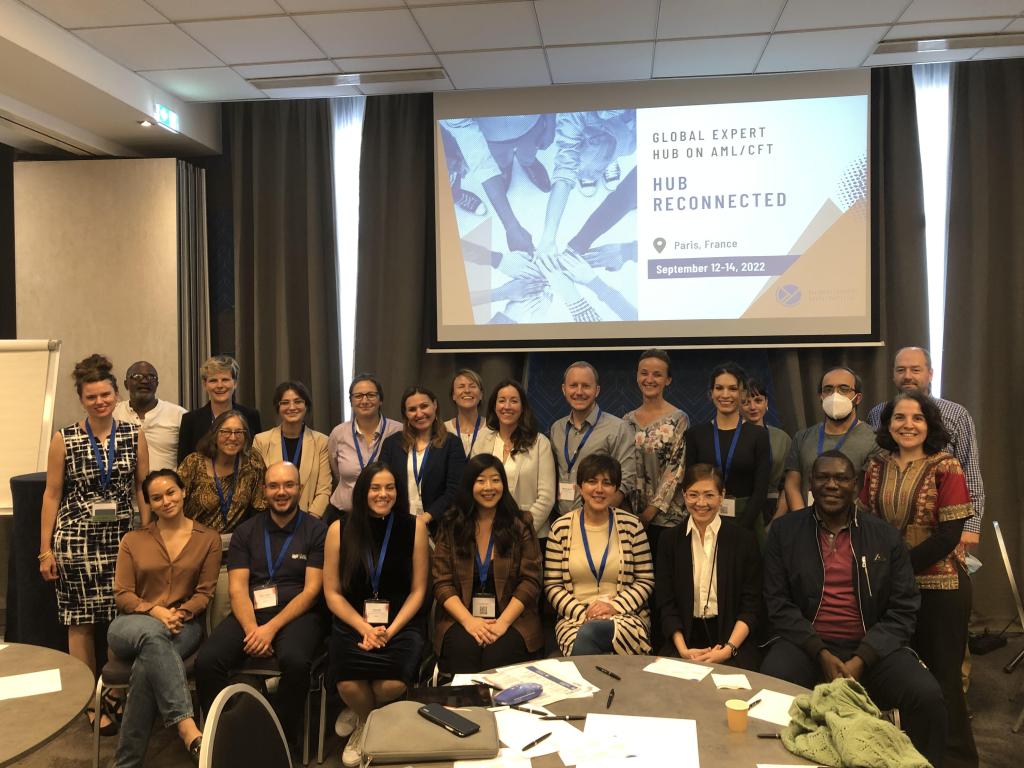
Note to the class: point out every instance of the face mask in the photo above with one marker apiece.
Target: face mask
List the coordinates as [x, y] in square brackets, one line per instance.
[837, 406]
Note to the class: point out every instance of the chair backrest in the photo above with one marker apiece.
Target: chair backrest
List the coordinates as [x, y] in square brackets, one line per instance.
[1009, 572]
[243, 730]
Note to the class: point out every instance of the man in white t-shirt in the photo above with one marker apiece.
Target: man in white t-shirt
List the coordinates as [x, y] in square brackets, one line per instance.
[159, 419]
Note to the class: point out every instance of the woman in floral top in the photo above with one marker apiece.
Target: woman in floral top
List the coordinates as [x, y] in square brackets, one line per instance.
[660, 448]
[921, 490]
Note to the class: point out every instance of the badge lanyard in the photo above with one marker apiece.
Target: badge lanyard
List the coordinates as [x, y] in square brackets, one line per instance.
[472, 440]
[586, 548]
[298, 448]
[571, 462]
[376, 570]
[106, 470]
[225, 503]
[484, 567]
[376, 445]
[839, 445]
[417, 471]
[272, 566]
[732, 449]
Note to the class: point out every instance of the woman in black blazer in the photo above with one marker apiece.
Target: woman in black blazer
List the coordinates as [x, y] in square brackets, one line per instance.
[707, 586]
[426, 460]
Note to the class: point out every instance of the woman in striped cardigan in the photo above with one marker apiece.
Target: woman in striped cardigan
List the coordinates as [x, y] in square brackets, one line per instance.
[598, 572]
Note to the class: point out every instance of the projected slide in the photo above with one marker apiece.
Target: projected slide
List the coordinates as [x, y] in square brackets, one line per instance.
[714, 220]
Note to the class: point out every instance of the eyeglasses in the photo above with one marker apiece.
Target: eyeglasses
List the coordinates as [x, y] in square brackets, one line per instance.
[138, 378]
[359, 396]
[231, 432]
[842, 389]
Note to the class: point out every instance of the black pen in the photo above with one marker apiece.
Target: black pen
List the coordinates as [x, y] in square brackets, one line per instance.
[488, 685]
[531, 710]
[535, 742]
[608, 672]
[565, 718]
[611, 696]
[753, 704]
[769, 735]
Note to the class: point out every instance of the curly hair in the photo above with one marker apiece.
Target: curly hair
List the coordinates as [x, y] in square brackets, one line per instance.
[938, 436]
[207, 445]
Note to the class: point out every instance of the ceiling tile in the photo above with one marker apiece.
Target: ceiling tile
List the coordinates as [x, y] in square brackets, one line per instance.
[931, 29]
[596, 21]
[708, 56]
[1007, 52]
[601, 63]
[826, 14]
[289, 69]
[365, 33]
[321, 92]
[921, 57]
[382, 63]
[831, 49]
[436, 2]
[418, 86]
[932, 10]
[181, 10]
[479, 27]
[211, 84]
[158, 46]
[1017, 26]
[699, 18]
[497, 69]
[254, 41]
[308, 6]
[96, 13]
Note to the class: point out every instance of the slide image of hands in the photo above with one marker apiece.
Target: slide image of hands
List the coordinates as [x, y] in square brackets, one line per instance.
[546, 210]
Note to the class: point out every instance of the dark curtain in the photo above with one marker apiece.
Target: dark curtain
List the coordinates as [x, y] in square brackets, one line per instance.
[286, 277]
[984, 334]
[8, 313]
[396, 293]
[899, 240]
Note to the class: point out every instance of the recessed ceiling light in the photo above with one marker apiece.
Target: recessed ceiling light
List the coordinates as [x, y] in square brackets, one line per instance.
[145, 123]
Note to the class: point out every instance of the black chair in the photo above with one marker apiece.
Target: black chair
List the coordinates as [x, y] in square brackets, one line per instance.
[242, 731]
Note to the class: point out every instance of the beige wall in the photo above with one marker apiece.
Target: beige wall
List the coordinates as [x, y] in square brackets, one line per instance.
[96, 265]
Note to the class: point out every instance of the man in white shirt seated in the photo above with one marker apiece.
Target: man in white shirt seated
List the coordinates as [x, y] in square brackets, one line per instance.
[160, 420]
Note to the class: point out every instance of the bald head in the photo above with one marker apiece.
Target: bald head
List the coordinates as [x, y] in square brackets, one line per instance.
[281, 487]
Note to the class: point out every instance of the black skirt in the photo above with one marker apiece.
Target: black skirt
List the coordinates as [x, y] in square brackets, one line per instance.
[398, 660]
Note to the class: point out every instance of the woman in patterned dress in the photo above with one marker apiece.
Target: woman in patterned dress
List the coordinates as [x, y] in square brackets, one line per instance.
[920, 489]
[94, 470]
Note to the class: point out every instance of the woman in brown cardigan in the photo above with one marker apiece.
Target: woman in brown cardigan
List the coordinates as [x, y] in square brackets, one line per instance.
[487, 575]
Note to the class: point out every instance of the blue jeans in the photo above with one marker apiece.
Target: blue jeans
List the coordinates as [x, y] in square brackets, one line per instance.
[594, 638]
[157, 685]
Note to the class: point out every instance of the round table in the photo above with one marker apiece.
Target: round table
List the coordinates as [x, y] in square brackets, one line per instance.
[31, 721]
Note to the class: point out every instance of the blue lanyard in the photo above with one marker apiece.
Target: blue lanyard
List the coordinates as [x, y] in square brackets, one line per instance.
[298, 448]
[839, 445]
[586, 548]
[570, 463]
[732, 449]
[376, 570]
[106, 470]
[417, 471]
[483, 567]
[225, 503]
[376, 446]
[273, 566]
[472, 440]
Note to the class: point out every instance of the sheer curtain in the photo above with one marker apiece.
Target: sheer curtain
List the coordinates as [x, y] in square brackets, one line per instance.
[348, 140]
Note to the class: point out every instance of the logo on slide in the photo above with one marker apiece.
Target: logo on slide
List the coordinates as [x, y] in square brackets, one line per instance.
[788, 295]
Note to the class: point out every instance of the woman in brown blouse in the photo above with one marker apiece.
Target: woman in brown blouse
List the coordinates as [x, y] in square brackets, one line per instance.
[163, 582]
[487, 575]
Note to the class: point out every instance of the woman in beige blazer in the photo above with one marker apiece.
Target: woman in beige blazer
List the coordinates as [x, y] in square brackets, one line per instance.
[295, 442]
[525, 453]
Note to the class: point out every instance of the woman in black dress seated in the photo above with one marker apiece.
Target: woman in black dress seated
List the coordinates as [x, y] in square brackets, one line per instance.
[708, 584]
[375, 579]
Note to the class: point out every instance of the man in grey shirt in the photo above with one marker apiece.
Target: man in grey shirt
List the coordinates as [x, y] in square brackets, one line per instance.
[586, 430]
[840, 392]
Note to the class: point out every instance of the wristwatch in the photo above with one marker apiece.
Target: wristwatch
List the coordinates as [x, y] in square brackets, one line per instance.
[735, 650]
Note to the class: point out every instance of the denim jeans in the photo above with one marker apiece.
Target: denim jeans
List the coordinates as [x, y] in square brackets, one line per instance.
[157, 685]
[594, 638]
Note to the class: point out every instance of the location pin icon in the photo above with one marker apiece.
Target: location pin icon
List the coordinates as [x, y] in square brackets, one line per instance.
[659, 244]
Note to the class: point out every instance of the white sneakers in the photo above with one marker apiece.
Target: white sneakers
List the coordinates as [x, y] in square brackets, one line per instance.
[346, 722]
[352, 755]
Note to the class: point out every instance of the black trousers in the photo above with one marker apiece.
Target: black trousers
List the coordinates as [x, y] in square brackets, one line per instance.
[461, 654]
[940, 639]
[897, 681]
[294, 646]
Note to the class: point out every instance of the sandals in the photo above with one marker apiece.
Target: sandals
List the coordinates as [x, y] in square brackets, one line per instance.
[110, 729]
[113, 706]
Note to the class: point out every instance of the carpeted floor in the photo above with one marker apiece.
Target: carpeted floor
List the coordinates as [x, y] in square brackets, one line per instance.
[995, 699]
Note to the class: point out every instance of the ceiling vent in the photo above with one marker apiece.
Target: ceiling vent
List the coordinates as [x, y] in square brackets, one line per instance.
[350, 79]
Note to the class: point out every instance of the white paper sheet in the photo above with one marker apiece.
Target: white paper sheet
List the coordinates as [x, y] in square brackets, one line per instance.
[461, 679]
[733, 682]
[2, 646]
[507, 758]
[774, 706]
[568, 683]
[29, 684]
[684, 670]
[517, 729]
[781, 765]
[652, 742]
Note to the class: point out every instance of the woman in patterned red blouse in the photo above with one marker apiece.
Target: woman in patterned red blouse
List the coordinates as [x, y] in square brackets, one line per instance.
[921, 490]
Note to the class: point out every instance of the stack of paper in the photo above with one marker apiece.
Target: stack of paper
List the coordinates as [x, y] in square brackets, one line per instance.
[644, 741]
[559, 680]
[684, 670]
[516, 729]
[772, 708]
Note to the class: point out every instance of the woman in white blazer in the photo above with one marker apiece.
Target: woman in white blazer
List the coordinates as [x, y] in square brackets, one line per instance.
[293, 441]
[512, 436]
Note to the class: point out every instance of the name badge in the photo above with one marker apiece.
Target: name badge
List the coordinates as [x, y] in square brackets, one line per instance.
[484, 606]
[376, 611]
[225, 542]
[264, 597]
[416, 508]
[728, 508]
[566, 492]
[103, 511]
[810, 499]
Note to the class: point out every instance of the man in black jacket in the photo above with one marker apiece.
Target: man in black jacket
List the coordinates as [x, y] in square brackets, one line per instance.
[843, 602]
